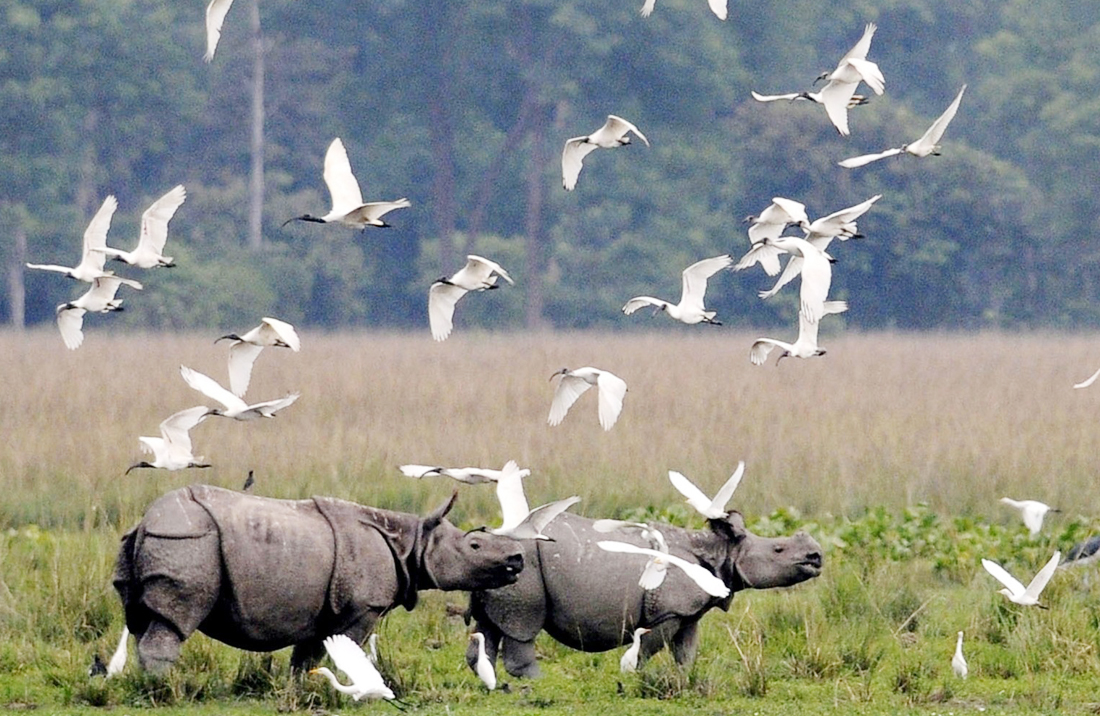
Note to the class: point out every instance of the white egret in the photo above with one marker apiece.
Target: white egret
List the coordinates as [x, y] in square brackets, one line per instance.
[718, 7]
[235, 407]
[215, 18]
[653, 574]
[815, 97]
[154, 233]
[821, 232]
[702, 576]
[366, 681]
[612, 134]
[806, 344]
[95, 237]
[855, 67]
[476, 275]
[1031, 511]
[100, 298]
[1015, 590]
[117, 661]
[816, 272]
[245, 349]
[837, 97]
[769, 224]
[485, 670]
[573, 384]
[347, 200]
[711, 509]
[958, 661]
[628, 663]
[928, 144]
[172, 450]
[690, 309]
[518, 521]
[468, 475]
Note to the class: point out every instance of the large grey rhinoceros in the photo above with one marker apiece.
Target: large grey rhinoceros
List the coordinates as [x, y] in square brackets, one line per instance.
[589, 599]
[262, 574]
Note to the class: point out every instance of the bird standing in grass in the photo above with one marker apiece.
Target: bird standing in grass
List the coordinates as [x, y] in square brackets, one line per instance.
[628, 663]
[485, 670]
[958, 661]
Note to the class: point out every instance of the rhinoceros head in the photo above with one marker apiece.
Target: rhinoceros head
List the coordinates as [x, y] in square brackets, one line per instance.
[766, 562]
[454, 559]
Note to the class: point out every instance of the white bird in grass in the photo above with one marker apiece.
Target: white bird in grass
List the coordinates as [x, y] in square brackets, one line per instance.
[628, 663]
[117, 661]
[769, 225]
[100, 298]
[821, 232]
[172, 450]
[1015, 591]
[347, 200]
[485, 670]
[468, 475]
[573, 384]
[718, 7]
[235, 407]
[927, 145]
[95, 237]
[958, 661]
[1031, 511]
[611, 134]
[855, 67]
[702, 576]
[154, 233]
[366, 681]
[690, 309]
[711, 509]
[653, 574]
[804, 347]
[246, 348]
[476, 275]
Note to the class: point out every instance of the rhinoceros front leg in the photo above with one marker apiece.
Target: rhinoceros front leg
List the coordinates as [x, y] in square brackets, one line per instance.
[685, 643]
[519, 657]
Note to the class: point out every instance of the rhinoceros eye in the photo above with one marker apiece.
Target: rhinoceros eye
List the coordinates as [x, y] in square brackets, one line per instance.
[475, 545]
[778, 548]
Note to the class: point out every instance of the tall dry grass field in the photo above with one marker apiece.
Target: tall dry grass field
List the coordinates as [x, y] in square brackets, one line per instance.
[954, 420]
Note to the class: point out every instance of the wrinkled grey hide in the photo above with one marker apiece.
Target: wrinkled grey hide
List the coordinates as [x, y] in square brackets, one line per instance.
[590, 600]
[262, 574]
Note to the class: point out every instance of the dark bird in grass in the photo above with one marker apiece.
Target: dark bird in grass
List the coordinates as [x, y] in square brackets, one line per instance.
[248, 482]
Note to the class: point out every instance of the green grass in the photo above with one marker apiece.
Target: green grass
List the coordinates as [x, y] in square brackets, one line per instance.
[894, 463]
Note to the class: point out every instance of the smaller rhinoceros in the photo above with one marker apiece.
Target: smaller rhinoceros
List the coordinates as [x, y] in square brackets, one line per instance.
[262, 574]
[589, 599]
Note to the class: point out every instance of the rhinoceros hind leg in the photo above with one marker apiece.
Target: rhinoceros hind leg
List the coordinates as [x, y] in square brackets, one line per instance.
[159, 647]
[685, 643]
[305, 654]
[519, 658]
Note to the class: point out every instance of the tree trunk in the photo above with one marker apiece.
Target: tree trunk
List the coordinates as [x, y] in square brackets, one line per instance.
[17, 294]
[256, 181]
[439, 28]
[535, 243]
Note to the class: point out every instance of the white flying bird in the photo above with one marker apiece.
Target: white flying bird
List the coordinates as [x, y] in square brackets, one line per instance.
[816, 272]
[95, 237]
[215, 18]
[855, 67]
[837, 98]
[485, 670]
[1015, 591]
[347, 200]
[653, 574]
[172, 450]
[806, 344]
[246, 348]
[100, 298]
[690, 309]
[702, 576]
[573, 384]
[366, 681]
[1031, 511]
[718, 7]
[235, 407]
[518, 521]
[476, 275]
[611, 134]
[923, 147]
[769, 224]
[1088, 381]
[958, 661]
[468, 475]
[711, 509]
[821, 232]
[628, 663]
[154, 233]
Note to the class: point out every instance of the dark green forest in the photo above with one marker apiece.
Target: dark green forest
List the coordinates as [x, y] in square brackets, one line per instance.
[463, 106]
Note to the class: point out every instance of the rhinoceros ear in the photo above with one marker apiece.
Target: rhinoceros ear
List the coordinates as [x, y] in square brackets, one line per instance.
[433, 519]
[732, 527]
